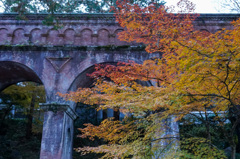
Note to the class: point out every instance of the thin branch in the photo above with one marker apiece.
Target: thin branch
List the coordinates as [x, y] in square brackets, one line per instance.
[163, 138]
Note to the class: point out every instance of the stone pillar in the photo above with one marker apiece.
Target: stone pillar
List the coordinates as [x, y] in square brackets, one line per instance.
[121, 115]
[110, 112]
[99, 116]
[167, 139]
[57, 132]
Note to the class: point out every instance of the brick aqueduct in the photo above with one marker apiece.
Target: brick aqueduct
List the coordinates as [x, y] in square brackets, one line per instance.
[59, 59]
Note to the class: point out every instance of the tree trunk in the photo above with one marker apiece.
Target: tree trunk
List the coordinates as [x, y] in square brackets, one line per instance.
[238, 135]
[233, 153]
[207, 125]
[30, 117]
[6, 112]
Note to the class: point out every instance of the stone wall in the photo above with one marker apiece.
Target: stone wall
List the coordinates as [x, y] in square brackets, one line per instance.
[76, 30]
[83, 29]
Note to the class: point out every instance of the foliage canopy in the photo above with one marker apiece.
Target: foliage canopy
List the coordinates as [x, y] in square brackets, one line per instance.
[66, 6]
[198, 71]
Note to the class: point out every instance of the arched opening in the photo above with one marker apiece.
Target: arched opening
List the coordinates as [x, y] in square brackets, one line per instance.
[21, 91]
[84, 81]
[88, 114]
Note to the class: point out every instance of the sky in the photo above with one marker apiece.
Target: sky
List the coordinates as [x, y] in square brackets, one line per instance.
[204, 6]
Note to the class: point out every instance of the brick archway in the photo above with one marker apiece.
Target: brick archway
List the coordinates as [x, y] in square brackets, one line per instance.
[14, 72]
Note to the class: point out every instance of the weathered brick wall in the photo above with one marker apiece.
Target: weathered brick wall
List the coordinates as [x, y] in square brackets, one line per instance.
[76, 30]
[83, 29]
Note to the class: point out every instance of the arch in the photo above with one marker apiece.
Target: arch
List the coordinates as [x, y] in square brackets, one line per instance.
[14, 72]
[219, 30]
[116, 39]
[69, 36]
[101, 57]
[19, 37]
[103, 37]
[87, 67]
[86, 37]
[36, 37]
[82, 80]
[3, 35]
[53, 37]
[205, 32]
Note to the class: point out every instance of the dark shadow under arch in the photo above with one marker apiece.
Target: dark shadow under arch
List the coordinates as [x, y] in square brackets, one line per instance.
[14, 72]
[83, 80]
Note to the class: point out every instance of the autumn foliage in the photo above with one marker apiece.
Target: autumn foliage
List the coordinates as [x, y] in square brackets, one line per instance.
[197, 71]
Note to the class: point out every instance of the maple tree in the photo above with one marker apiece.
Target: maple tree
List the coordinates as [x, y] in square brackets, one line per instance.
[197, 71]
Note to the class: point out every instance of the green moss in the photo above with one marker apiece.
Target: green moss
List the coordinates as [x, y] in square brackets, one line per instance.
[27, 47]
